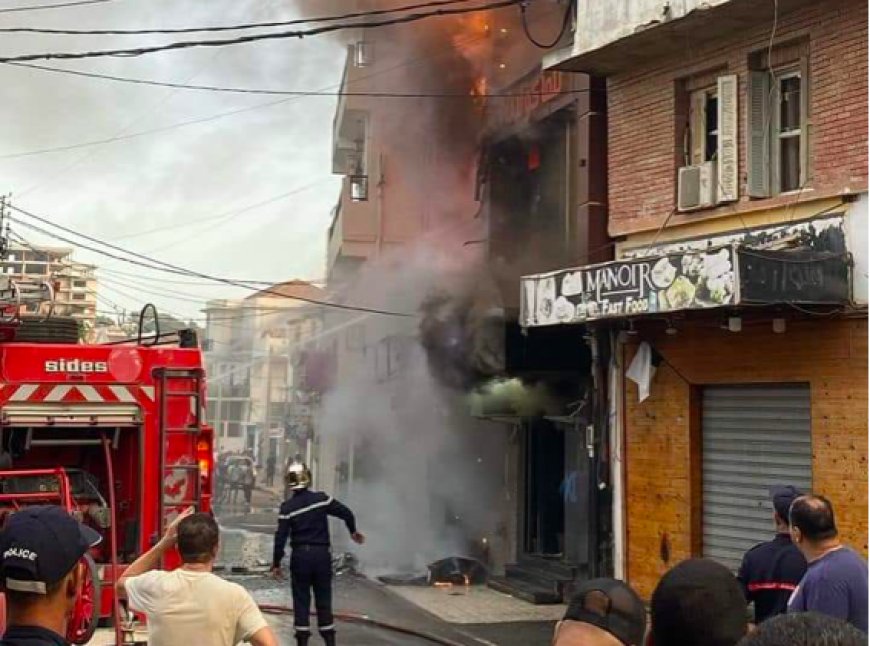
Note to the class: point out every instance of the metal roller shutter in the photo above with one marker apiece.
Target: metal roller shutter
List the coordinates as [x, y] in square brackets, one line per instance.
[754, 437]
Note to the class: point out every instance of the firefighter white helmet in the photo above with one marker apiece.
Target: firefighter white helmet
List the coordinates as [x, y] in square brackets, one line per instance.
[298, 476]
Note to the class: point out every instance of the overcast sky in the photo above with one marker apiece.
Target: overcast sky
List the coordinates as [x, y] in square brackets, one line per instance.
[118, 190]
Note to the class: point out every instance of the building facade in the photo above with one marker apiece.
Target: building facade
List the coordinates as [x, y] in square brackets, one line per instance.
[736, 303]
[75, 283]
[252, 346]
[496, 168]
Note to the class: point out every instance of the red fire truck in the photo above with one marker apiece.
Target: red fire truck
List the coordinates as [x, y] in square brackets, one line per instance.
[115, 433]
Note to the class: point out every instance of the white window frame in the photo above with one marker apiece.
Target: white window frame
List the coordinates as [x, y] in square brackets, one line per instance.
[776, 135]
[763, 129]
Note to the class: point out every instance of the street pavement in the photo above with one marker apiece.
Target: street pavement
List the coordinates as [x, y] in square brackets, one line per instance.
[245, 555]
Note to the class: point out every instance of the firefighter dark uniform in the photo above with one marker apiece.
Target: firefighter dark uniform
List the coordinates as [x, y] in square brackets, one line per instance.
[771, 571]
[303, 519]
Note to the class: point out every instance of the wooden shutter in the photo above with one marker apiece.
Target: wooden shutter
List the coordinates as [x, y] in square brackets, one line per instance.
[698, 127]
[727, 144]
[758, 134]
[806, 123]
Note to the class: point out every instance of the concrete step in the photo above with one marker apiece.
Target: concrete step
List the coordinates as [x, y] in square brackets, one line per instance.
[535, 577]
[555, 568]
[524, 590]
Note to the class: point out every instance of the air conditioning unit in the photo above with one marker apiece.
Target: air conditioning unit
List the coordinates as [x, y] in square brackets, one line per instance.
[363, 54]
[696, 187]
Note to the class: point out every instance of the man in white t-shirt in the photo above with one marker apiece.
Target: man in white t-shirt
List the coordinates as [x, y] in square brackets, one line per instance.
[191, 605]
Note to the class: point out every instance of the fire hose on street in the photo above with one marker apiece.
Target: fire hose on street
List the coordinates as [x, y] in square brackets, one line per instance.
[355, 618]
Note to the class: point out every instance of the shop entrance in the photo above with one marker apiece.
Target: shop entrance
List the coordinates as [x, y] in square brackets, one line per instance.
[544, 507]
[753, 437]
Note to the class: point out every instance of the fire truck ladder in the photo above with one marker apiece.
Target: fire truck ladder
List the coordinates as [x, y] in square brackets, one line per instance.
[188, 383]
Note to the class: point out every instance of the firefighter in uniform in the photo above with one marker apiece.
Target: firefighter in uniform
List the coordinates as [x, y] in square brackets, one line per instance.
[771, 571]
[303, 518]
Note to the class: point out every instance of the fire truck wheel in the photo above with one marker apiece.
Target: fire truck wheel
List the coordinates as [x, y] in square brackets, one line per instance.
[86, 613]
[57, 329]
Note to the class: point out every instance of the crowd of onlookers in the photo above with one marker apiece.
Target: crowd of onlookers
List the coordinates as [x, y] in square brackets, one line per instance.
[807, 589]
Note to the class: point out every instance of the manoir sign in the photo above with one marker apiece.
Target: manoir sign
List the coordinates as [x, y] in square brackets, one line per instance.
[670, 283]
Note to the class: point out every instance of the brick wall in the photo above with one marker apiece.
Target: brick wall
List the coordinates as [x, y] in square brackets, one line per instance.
[661, 465]
[643, 127]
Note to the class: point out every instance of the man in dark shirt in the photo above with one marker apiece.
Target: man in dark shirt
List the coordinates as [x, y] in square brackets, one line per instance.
[41, 570]
[771, 571]
[304, 519]
[836, 580]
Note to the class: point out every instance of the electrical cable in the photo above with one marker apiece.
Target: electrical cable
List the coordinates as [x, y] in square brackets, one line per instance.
[142, 133]
[60, 5]
[175, 269]
[527, 31]
[221, 115]
[301, 93]
[225, 216]
[283, 35]
[218, 28]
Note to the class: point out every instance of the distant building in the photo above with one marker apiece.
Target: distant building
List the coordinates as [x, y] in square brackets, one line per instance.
[74, 282]
[251, 345]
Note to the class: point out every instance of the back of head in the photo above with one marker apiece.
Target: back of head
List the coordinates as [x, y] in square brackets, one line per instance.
[814, 517]
[698, 603]
[805, 629]
[198, 538]
[782, 497]
[610, 606]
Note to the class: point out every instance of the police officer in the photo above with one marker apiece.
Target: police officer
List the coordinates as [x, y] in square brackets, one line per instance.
[771, 571]
[303, 519]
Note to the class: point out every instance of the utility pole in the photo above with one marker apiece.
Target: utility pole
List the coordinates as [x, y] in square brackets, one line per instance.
[268, 417]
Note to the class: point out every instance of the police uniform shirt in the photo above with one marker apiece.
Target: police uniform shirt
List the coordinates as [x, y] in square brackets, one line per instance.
[769, 574]
[303, 518]
[31, 636]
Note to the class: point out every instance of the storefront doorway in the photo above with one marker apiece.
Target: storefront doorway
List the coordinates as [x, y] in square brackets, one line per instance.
[544, 507]
[556, 493]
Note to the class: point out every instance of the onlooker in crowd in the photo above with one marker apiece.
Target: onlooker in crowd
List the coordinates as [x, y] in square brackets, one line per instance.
[805, 629]
[41, 572]
[249, 481]
[697, 603]
[836, 580]
[603, 612]
[191, 605]
[771, 571]
[270, 469]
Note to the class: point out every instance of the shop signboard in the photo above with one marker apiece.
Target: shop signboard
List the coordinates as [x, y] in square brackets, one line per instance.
[806, 277]
[687, 280]
[675, 282]
[527, 96]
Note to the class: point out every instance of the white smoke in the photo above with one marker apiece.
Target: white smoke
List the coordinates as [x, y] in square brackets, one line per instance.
[428, 478]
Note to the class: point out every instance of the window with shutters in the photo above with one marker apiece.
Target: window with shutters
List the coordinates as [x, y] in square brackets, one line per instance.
[778, 128]
[707, 173]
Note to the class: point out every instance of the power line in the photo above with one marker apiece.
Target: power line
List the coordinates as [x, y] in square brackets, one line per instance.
[282, 35]
[566, 20]
[255, 25]
[175, 269]
[60, 5]
[409, 62]
[225, 216]
[142, 133]
[300, 93]
[161, 279]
